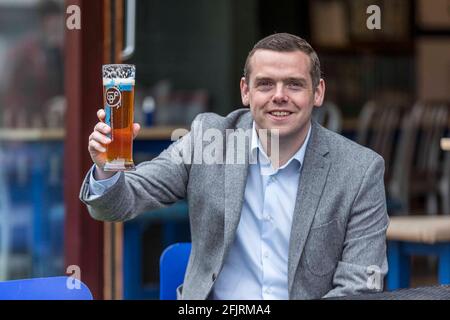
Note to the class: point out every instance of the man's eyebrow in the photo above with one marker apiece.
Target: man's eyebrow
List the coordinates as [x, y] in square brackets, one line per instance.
[263, 79]
[293, 79]
[300, 80]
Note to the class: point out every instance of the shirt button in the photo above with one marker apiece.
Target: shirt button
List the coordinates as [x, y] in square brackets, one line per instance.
[268, 290]
[266, 254]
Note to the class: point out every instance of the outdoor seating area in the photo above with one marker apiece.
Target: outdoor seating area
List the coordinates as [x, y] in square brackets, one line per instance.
[135, 165]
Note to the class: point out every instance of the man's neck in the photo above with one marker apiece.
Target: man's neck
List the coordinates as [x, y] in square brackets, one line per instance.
[287, 146]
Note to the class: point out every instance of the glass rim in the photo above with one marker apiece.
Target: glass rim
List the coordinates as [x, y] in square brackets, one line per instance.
[118, 71]
[119, 64]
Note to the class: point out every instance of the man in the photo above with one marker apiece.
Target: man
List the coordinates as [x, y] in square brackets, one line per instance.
[309, 225]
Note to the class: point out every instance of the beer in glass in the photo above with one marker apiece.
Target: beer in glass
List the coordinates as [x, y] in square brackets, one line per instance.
[118, 98]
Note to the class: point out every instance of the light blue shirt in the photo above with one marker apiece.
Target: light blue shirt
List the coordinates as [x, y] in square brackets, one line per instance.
[257, 264]
[98, 187]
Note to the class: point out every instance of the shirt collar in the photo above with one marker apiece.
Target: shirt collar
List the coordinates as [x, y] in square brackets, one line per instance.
[258, 155]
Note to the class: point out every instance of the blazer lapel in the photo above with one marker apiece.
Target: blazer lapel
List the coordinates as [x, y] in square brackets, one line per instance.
[235, 180]
[311, 184]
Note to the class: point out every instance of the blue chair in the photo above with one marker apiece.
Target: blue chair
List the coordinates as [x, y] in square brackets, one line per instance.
[417, 235]
[172, 267]
[52, 288]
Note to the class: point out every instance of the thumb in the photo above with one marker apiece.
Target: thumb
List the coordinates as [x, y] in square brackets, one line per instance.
[136, 129]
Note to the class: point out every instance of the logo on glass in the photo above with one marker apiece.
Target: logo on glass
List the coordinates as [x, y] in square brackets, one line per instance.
[113, 97]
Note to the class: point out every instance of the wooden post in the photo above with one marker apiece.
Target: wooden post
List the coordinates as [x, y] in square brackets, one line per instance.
[113, 232]
[83, 87]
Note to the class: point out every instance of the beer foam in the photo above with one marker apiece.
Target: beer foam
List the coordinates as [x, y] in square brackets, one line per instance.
[118, 81]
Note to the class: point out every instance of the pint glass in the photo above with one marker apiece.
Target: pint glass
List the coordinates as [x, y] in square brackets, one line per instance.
[118, 98]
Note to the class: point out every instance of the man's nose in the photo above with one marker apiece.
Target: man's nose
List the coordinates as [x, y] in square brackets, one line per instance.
[280, 94]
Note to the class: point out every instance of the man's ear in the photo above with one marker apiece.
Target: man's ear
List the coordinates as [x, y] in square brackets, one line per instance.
[244, 92]
[319, 93]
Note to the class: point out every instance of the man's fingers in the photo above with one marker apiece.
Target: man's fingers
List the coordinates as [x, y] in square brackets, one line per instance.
[136, 129]
[101, 114]
[99, 137]
[102, 128]
[94, 145]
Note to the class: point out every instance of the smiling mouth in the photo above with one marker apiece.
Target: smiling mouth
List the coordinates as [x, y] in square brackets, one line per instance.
[280, 114]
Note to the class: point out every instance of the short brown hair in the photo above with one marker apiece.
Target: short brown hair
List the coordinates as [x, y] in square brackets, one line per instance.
[286, 42]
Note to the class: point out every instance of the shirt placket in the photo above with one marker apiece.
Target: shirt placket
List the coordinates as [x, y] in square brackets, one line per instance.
[266, 236]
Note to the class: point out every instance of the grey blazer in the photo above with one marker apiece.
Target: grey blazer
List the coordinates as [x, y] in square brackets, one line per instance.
[337, 243]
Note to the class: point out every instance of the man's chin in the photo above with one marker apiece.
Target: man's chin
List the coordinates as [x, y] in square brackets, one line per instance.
[280, 129]
[279, 132]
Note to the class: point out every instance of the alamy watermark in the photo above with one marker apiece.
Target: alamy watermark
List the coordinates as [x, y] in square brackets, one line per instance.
[74, 280]
[375, 278]
[374, 20]
[213, 146]
[73, 20]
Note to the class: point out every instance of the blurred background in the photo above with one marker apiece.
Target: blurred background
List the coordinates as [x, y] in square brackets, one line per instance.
[387, 88]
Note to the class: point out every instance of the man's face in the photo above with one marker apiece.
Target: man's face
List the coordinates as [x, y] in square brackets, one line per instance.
[280, 92]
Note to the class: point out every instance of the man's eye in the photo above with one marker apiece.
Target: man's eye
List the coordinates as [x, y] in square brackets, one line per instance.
[295, 85]
[264, 84]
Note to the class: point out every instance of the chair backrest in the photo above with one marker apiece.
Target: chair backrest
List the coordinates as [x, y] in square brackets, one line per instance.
[418, 155]
[172, 267]
[398, 186]
[378, 124]
[52, 288]
[329, 116]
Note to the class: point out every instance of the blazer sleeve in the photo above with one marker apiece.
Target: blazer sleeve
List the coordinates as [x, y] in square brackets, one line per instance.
[155, 184]
[363, 264]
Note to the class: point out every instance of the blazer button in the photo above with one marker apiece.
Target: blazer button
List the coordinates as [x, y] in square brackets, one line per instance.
[213, 277]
